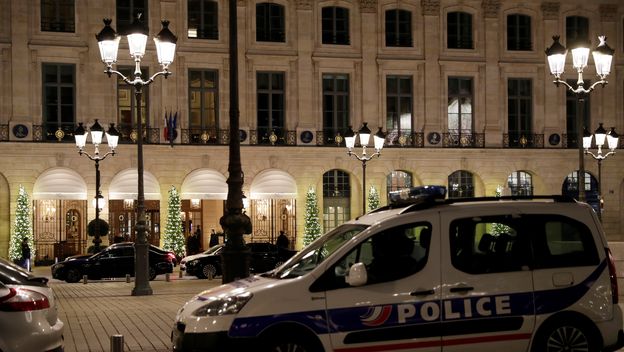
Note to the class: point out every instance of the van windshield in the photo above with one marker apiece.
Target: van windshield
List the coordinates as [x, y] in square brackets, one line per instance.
[316, 252]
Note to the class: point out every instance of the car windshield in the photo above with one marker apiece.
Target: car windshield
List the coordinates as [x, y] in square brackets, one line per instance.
[315, 253]
[213, 249]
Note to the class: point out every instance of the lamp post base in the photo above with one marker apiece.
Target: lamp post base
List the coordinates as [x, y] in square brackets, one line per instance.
[236, 256]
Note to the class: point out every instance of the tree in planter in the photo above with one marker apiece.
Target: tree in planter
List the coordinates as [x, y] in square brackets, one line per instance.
[23, 227]
[312, 225]
[97, 229]
[373, 198]
[174, 236]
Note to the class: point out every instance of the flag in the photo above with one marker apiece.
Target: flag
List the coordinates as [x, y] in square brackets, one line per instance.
[172, 128]
[166, 131]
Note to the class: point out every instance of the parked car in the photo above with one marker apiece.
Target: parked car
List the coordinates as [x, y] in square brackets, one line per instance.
[28, 312]
[265, 256]
[214, 250]
[116, 260]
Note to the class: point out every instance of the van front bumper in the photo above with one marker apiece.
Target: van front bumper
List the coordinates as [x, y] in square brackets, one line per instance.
[208, 341]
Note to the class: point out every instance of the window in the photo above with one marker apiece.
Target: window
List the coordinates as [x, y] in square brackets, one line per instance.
[127, 10]
[270, 100]
[335, 105]
[336, 199]
[459, 30]
[570, 188]
[203, 19]
[126, 104]
[59, 99]
[398, 28]
[58, 16]
[563, 242]
[460, 107]
[389, 255]
[519, 32]
[398, 180]
[460, 185]
[519, 111]
[491, 244]
[577, 29]
[573, 112]
[270, 23]
[520, 183]
[335, 25]
[399, 102]
[203, 103]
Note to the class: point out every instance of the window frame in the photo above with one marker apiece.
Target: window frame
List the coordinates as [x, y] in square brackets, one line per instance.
[208, 12]
[465, 183]
[272, 94]
[402, 100]
[204, 87]
[332, 19]
[126, 15]
[459, 132]
[519, 32]
[272, 27]
[519, 110]
[63, 20]
[124, 128]
[336, 195]
[57, 105]
[462, 37]
[335, 121]
[398, 31]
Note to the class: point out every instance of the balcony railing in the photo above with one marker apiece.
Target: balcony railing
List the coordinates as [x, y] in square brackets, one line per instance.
[463, 140]
[523, 140]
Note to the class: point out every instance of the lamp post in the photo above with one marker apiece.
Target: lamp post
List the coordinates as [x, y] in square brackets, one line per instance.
[165, 41]
[612, 139]
[603, 55]
[364, 134]
[112, 137]
[235, 222]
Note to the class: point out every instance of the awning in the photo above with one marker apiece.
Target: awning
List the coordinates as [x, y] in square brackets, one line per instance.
[125, 185]
[204, 184]
[60, 183]
[273, 184]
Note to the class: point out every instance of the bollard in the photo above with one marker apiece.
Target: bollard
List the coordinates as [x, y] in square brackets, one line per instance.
[167, 277]
[180, 273]
[210, 275]
[116, 343]
[127, 277]
[84, 279]
[55, 260]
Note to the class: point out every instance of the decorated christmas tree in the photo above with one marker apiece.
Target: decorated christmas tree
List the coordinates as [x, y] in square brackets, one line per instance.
[373, 198]
[23, 227]
[174, 236]
[498, 228]
[312, 225]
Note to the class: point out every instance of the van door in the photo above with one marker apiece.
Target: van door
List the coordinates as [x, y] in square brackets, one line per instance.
[487, 295]
[397, 309]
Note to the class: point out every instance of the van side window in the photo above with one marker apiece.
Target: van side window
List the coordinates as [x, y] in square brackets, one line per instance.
[564, 242]
[489, 245]
[391, 254]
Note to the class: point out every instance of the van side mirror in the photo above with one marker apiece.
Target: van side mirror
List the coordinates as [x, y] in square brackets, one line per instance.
[357, 275]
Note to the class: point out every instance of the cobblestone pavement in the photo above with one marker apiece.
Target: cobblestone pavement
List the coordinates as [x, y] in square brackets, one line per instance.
[95, 311]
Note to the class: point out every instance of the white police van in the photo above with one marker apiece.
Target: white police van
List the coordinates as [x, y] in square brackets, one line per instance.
[481, 274]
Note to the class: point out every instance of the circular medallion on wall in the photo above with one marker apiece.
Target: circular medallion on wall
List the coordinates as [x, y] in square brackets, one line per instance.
[242, 135]
[554, 139]
[20, 131]
[433, 138]
[306, 136]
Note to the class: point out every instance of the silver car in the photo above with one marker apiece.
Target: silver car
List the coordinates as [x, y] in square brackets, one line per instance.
[28, 312]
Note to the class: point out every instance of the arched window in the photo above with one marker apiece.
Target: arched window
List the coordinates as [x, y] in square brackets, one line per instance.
[460, 184]
[570, 188]
[336, 199]
[520, 183]
[397, 180]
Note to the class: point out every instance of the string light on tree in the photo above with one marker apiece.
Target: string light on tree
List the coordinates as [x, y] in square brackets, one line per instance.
[174, 237]
[373, 198]
[23, 226]
[312, 225]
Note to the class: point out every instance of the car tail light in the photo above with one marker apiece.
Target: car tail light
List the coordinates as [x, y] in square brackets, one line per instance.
[171, 257]
[613, 276]
[23, 300]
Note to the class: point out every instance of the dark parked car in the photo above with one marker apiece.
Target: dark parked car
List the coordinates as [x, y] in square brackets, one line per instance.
[116, 260]
[264, 257]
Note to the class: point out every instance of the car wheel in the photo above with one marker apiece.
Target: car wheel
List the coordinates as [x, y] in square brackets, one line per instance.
[152, 273]
[73, 275]
[569, 336]
[209, 270]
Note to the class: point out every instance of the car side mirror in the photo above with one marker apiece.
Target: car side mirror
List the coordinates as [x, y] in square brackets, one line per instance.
[357, 275]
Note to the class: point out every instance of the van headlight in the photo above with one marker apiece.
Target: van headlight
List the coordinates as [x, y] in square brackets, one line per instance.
[223, 306]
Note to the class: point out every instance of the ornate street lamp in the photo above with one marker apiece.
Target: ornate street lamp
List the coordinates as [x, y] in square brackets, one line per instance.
[603, 56]
[165, 41]
[364, 135]
[235, 223]
[612, 139]
[112, 137]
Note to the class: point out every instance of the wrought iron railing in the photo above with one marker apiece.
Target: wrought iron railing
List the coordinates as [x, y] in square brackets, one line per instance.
[463, 140]
[523, 140]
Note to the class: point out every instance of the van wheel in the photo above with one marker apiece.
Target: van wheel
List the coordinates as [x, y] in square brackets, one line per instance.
[568, 336]
[73, 275]
[290, 340]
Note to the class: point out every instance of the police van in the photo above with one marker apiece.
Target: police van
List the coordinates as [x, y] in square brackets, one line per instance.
[427, 273]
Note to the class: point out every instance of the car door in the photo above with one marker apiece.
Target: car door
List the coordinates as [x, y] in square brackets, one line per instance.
[262, 255]
[487, 295]
[103, 264]
[398, 307]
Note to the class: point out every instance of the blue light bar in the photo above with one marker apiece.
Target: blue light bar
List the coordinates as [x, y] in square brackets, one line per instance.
[413, 194]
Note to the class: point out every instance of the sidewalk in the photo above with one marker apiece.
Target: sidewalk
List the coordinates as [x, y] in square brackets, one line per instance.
[95, 311]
